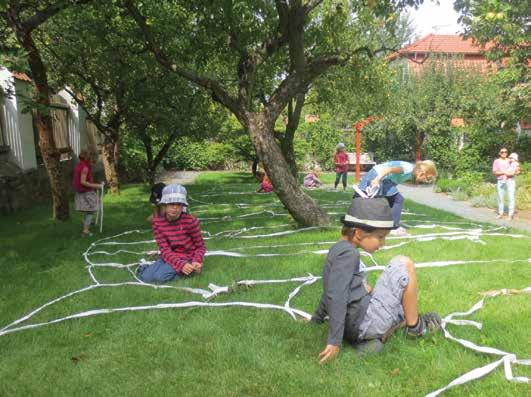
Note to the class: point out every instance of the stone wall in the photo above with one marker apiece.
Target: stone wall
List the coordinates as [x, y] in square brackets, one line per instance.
[25, 189]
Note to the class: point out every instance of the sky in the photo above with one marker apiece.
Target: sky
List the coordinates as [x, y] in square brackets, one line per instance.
[433, 18]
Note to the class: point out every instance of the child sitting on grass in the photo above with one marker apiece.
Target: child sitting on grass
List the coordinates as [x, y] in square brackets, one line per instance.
[179, 239]
[382, 181]
[357, 313]
[311, 180]
[266, 186]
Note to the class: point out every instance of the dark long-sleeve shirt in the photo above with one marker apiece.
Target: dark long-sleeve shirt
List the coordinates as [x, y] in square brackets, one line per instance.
[179, 241]
[345, 296]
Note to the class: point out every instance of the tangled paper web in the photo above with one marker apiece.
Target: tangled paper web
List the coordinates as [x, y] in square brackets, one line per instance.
[144, 247]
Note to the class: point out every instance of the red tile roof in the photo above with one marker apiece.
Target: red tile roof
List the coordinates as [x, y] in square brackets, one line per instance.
[441, 43]
[21, 76]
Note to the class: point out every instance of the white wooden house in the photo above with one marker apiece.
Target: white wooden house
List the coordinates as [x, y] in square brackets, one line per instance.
[19, 154]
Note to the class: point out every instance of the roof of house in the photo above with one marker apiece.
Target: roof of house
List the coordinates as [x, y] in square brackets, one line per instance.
[21, 76]
[441, 43]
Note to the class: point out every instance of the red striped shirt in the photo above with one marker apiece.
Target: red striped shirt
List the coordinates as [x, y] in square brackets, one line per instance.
[179, 241]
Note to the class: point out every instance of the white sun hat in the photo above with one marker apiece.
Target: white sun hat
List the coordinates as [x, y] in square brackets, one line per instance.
[174, 194]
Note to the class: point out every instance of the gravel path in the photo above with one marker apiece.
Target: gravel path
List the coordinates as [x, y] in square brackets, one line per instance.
[180, 177]
[425, 195]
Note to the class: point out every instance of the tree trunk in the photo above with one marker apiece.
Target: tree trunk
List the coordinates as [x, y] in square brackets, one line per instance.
[43, 121]
[294, 116]
[254, 167]
[301, 206]
[419, 140]
[109, 156]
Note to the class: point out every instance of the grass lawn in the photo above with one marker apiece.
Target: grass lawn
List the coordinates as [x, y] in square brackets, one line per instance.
[241, 351]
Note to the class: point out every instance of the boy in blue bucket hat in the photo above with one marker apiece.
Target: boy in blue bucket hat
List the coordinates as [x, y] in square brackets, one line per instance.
[362, 315]
[178, 236]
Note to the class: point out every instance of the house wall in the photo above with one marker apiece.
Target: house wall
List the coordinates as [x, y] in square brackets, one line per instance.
[77, 129]
[23, 182]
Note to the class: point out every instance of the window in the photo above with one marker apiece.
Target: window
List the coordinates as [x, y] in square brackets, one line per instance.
[59, 114]
[94, 136]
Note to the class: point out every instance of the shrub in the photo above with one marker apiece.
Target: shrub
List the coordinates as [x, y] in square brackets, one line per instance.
[446, 185]
[459, 194]
[190, 155]
[323, 139]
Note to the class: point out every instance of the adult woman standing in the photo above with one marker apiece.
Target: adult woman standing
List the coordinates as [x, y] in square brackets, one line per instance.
[505, 182]
[86, 199]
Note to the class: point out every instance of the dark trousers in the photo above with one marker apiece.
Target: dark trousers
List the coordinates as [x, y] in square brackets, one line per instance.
[396, 202]
[342, 175]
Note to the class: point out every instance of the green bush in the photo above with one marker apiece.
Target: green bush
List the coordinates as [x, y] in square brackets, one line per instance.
[323, 139]
[446, 185]
[190, 155]
[459, 194]
[485, 195]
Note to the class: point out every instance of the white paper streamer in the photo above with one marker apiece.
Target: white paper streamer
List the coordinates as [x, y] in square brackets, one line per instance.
[507, 358]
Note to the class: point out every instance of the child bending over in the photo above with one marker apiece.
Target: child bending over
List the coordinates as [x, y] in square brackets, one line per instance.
[358, 313]
[382, 181]
[178, 237]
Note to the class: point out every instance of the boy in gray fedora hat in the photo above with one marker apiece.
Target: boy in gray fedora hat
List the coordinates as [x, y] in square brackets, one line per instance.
[358, 313]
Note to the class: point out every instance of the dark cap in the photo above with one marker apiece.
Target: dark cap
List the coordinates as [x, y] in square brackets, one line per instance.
[156, 193]
[372, 213]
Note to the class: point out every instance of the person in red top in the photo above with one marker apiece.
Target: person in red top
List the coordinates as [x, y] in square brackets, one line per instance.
[266, 186]
[178, 236]
[86, 199]
[341, 163]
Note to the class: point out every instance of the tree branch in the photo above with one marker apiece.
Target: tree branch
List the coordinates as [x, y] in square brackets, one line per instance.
[219, 92]
[42, 16]
[311, 5]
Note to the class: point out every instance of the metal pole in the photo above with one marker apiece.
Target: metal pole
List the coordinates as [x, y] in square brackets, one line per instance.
[358, 152]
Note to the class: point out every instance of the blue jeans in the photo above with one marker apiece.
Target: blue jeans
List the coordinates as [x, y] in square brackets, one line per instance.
[158, 272]
[508, 186]
[342, 175]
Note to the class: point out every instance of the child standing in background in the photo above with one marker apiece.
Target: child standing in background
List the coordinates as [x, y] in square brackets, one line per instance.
[341, 163]
[86, 199]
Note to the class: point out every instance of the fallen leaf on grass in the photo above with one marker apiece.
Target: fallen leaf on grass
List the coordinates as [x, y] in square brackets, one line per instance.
[79, 357]
[87, 335]
[395, 372]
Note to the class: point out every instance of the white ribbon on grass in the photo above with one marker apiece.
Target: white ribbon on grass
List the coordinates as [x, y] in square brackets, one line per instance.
[94, 312]
[215, 290]
[507, 358]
